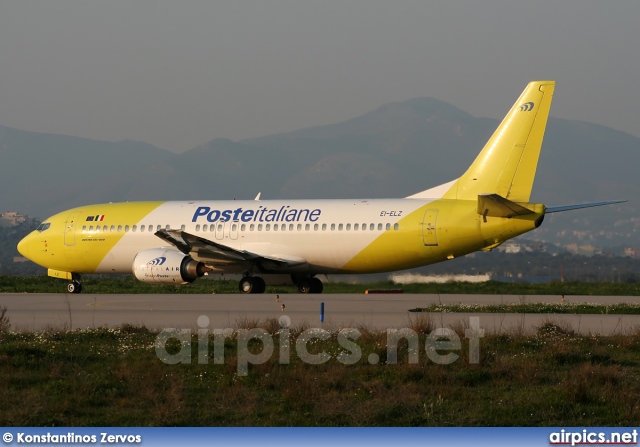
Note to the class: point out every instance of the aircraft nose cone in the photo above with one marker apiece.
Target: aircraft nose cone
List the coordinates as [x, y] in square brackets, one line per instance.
[23, 248]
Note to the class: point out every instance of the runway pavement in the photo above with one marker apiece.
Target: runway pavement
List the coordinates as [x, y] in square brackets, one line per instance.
[377, 311]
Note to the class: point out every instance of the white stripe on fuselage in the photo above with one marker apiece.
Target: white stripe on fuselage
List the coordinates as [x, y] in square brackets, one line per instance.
[328, 248]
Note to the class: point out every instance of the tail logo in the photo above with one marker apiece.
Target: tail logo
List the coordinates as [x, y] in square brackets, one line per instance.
[526, 107]
[157, 261]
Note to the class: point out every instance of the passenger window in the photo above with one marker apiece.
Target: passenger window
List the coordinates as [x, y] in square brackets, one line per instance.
[126, 228]
[324, 227]
[388, 227]
[198, 227]
[212, 228]
[379, 227]
[372, 227]
[119, 228]
[204, 228]
[259, 227]
[182, 227]
[340, 227]
[348, 227]
[159, 227]
[234, 227]
[91, 229]
[252, 227]
[141, 228]
[113, 228]
[275, 227]
[355, 227]
[333, 227]
[243, 227]
[315, 227]
[396, 226]
[134, 228]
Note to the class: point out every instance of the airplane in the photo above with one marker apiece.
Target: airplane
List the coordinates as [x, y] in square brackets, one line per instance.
[177, 242]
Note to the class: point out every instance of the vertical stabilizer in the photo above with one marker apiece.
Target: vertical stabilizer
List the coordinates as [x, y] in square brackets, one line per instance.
[507, 164]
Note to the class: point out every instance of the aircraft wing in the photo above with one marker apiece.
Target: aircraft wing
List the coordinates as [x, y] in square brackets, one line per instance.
[216, 254]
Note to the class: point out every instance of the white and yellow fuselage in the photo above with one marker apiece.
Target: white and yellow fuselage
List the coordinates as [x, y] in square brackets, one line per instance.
[325, 236]
[176, 242]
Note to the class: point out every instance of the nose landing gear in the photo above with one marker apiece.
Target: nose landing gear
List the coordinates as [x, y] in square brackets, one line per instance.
[74, 287]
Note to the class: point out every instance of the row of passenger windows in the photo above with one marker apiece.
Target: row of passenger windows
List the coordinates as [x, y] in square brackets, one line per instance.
[299, 227]
[244, 227]
[125, 228]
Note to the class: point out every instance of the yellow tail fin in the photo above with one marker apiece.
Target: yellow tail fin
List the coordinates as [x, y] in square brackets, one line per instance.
[507, 164]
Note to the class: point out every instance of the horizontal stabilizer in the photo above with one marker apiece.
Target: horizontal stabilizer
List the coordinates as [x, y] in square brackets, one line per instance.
[493, 205]
[558, 209]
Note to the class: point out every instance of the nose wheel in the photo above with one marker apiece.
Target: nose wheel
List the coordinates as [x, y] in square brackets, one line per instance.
[74, 287]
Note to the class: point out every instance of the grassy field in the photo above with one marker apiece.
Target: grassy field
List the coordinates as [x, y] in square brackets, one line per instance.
[113, 377]
[537, 308]
[44, 284]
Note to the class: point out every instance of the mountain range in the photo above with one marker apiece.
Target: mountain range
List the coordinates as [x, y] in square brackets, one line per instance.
[394, 151]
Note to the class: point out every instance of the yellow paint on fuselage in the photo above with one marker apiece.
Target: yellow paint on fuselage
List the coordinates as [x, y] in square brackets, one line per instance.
[64, 246]
[459, 230]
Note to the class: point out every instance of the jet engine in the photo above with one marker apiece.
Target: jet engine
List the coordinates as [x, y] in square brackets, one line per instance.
[167, 266]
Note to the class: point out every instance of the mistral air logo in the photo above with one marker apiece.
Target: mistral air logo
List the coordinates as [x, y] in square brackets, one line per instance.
[157, 261]
[527, 107]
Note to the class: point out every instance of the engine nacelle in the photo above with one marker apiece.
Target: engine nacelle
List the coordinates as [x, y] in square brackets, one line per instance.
[166, 266]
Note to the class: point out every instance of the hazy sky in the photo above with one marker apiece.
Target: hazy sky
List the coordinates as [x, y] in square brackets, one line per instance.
[177, 74]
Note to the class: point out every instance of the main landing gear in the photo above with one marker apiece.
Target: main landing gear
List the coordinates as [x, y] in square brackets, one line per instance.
[252, 284]
[309, 285]
[255, 284]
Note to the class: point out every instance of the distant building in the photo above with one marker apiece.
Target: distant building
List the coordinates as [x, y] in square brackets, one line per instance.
[586, 250]
[512, 248]
[13, 219]
[632, 252]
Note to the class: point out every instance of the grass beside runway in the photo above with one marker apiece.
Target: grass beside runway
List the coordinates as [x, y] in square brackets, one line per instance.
[537, 308]
[113, 377]
[127, 284]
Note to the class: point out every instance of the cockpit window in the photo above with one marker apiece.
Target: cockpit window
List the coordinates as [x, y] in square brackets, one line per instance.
[43, 226]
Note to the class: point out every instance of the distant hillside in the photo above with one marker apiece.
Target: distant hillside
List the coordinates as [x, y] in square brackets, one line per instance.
[394, 151]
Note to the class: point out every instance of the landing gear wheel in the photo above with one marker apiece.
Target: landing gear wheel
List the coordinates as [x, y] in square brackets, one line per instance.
[304, 286]
[316, 286]
[252, 284]
[309, 285]
[246, 284]
[259, 285]
[74, 287]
